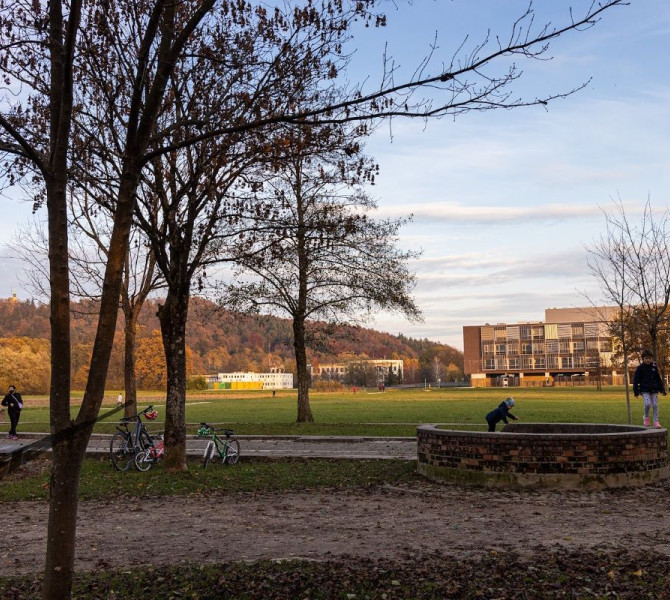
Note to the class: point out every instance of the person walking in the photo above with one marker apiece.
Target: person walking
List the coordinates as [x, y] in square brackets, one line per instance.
[14, 404]
[647, 381]
[502, 413]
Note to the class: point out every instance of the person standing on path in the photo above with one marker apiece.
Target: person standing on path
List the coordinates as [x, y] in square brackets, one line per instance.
[14, 404]
[647, 381]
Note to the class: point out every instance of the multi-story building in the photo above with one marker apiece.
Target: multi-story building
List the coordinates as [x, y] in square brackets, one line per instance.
[569, 343]
[338, 371]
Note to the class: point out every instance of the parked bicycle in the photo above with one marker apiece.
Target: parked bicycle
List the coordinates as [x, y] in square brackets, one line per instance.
[227, 450]
[126, 444]
[146, 459]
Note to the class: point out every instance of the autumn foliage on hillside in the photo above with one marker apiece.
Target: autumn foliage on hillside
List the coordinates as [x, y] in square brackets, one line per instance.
[217, 341]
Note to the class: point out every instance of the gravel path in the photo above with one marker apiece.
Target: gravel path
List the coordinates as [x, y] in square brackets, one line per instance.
[380, 522]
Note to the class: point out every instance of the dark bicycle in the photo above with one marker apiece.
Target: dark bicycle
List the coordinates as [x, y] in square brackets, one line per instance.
[126, 444]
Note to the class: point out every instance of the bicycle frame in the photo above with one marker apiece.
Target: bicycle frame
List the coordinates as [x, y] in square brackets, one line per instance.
[138, 428]
[145, 459]
[221, 446]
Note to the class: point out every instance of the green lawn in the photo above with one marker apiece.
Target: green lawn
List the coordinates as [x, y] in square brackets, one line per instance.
[100, 480]
[395, 412]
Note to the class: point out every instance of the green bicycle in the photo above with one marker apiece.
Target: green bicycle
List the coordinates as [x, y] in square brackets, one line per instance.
[227, 450]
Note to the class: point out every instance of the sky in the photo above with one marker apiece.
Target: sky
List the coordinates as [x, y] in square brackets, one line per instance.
[505, 202]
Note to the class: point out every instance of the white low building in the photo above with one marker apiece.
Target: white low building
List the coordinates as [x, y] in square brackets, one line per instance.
[270, 381]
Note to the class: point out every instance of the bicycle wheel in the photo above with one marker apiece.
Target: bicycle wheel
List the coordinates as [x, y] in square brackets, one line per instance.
[233, 453]
[209, 452]
[121, 451]
[142, 461]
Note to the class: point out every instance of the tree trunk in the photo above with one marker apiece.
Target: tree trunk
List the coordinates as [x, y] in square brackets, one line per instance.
[69, 450]
[172, 315]
[624, 349]
[304, 411]
[130, 340]
[68, 456]
[65, 466]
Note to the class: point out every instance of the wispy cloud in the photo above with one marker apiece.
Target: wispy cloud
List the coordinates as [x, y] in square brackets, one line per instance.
[450, 211]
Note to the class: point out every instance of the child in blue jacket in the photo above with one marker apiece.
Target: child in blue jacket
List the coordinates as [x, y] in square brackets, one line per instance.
[501, 413]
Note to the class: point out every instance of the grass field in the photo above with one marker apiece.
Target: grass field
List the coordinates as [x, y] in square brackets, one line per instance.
[100, 481]
[394, 412]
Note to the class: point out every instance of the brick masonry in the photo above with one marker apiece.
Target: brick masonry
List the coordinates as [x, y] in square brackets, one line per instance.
[601, 455]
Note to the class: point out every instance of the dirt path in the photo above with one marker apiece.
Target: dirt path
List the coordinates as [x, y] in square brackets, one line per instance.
[382, 522]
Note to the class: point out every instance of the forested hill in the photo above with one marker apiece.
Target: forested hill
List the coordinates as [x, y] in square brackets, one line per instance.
[219, 341]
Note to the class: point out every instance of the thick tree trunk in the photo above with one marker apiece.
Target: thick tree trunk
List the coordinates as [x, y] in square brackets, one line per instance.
[172, 315]
[68, 456]
[304, 411]
[130, 339]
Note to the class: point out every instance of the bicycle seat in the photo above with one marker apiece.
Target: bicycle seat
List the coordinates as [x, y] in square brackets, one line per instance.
[229, 432]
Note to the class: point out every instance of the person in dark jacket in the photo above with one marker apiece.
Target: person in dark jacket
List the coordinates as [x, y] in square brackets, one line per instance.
[501, 413]
[647, 381]
[14, 404]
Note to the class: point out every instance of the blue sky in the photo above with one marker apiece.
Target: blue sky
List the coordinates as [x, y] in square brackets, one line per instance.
[505, 201]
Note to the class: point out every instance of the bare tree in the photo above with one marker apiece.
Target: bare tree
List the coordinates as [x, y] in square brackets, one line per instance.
[631, 261]
[437, 370]
[609, 263]
[331, 260]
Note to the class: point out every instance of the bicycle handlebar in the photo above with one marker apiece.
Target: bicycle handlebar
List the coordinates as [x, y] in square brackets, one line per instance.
[137, 416]
[227, 432]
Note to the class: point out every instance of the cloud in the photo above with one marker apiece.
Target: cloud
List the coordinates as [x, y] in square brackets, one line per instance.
[450, 211]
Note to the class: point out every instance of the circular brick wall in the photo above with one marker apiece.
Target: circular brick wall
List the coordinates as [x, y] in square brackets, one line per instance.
[546, 455]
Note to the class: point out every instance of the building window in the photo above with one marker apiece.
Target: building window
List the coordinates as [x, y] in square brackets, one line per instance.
[526, 348]
[566, 362]
[551, 346]
[501, 348]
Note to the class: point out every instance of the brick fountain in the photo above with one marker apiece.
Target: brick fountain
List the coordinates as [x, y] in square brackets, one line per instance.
[546, 455]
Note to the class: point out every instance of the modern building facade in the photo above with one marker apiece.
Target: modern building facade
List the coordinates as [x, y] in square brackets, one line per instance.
[570, 343]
